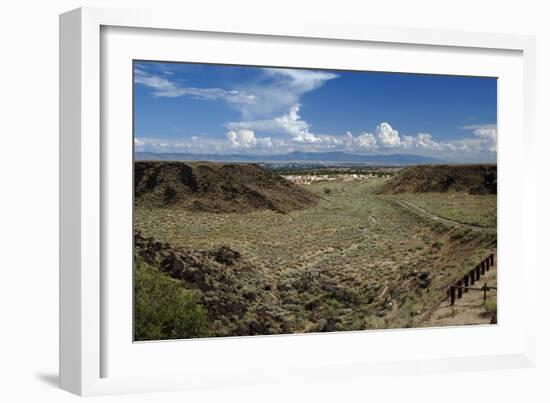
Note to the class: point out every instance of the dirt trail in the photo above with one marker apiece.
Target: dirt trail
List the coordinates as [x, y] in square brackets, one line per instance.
[469, 310]
[413, 207]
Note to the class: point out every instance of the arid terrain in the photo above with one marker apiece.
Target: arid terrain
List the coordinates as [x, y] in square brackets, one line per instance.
[244, 251]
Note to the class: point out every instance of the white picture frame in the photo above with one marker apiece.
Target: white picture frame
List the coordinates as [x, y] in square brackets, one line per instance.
[86, 346]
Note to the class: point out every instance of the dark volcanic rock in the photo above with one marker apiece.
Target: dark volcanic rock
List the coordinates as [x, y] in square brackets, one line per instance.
[424, 279]
[329, 325]
[216, 187]
[226, 255]
[217, 275]
[473, 179]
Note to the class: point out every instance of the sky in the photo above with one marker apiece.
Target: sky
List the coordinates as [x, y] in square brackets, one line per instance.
[221, 109]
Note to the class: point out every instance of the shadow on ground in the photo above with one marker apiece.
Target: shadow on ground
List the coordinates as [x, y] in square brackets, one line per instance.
[49, 379]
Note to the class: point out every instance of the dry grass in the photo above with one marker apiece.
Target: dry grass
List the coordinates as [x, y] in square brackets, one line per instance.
[479, 210]
[354, 261]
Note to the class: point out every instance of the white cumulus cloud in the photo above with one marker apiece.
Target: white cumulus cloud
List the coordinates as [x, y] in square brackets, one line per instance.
[245, 138]
[485, 138]
[425, 140]
[363, 142]
[293, 124]
[366, 141]
[385, 139]
[290, 124]
[488, 137]
[387, 136]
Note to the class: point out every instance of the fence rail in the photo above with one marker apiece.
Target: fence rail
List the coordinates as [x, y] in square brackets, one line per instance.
[465, 284]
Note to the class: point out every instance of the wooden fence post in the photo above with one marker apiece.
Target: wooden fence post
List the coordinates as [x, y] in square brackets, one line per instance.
[492, 259]
[452, 292]
[477, 272]
[472, 277]
[459, 289]
[482, 268]
[465, 281]
[484, 291]
[487, 265]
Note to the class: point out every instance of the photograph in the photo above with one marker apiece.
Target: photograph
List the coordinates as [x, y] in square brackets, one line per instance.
[274, 200]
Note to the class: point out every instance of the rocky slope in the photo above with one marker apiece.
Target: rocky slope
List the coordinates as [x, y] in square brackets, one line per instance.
[473, 179]
[214, 187]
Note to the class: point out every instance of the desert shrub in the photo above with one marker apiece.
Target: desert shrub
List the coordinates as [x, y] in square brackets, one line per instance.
[164, 309]
[437, 245]
[327, 191]
[490, 306]
[374, 322]
[461, 233]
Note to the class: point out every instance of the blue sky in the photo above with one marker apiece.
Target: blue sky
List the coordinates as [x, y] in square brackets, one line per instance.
[201, 108]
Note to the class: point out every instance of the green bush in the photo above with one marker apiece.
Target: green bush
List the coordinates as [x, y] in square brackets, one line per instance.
[327, 191]
[374, 322]
[490, 306]
[461, 233]
[164, 309]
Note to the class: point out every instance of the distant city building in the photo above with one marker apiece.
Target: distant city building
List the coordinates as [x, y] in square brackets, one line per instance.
[309, 179]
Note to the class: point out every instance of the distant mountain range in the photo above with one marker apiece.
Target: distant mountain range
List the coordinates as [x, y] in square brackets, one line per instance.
[296, 156]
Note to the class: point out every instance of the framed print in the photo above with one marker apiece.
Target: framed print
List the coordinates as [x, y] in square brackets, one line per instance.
[237, 198]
